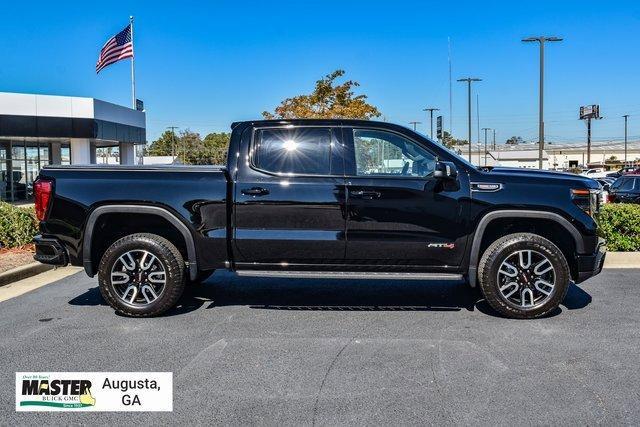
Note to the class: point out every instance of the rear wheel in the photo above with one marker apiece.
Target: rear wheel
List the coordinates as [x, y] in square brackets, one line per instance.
[523, 275]
[141, 275]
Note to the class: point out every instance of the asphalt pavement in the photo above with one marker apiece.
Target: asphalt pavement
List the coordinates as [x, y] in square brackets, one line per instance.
[327, 352]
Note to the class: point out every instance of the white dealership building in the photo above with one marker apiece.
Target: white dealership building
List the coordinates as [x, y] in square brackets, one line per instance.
[37, 130]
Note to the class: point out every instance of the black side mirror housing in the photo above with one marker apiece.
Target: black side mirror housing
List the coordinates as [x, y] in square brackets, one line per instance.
[445, 170]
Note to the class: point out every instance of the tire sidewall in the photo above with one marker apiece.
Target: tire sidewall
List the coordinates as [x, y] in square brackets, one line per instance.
[173, 270]
[490, 284]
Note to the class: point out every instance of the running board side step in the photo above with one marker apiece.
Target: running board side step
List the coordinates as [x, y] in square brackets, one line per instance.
[347, 275]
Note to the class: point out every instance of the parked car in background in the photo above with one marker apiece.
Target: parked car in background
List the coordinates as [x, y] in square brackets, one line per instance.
[625, 170]
[594, 173]
[605, 185]
[626, 189]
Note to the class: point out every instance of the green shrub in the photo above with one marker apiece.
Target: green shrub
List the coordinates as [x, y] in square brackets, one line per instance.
[619, 223]
[17, 225]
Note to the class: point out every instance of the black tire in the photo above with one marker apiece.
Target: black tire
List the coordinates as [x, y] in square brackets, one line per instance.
[171, 261]
[508, 246]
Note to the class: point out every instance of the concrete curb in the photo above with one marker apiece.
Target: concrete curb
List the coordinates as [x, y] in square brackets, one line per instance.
[23, 272]
[622, 260]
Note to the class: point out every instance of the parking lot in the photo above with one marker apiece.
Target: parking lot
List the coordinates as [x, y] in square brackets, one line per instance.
[267, 351]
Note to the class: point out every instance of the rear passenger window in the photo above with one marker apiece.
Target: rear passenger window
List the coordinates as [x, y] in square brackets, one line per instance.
[627, 185]
[299, 151]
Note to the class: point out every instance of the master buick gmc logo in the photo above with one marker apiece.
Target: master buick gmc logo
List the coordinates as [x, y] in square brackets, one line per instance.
[57, 393]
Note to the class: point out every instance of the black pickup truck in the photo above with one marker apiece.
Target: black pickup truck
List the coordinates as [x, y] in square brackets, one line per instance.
[322, 199]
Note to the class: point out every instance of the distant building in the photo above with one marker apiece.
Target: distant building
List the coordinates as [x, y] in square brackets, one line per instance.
[38, 130]
[608, 155]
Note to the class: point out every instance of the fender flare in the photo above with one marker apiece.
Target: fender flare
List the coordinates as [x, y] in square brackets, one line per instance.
[152, 210]
[474, 255]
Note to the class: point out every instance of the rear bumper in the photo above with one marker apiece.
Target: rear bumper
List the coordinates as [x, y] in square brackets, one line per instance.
[590, 265]
[50, 251]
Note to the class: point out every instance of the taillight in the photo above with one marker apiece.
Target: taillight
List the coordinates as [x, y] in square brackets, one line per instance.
[43, 190]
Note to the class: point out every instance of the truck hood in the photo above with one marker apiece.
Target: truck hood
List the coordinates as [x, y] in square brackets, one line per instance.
[540, 175]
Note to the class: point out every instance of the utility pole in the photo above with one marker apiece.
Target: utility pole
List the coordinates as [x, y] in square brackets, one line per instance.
[469, 80]
[485, 145]
[541, 40]
[478, 120]
[626, 117]
[431, 110]
[494, 140]
[450, 91]
[173, 140]
[414, 124]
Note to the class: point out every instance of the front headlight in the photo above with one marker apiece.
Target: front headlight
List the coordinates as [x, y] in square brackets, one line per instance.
[586, 199]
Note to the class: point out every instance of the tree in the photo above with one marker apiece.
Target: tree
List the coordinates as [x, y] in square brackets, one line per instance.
[449, 141]
[514, 140]
[161, 146]
[328, 100]
[210, 151]
[190, 148]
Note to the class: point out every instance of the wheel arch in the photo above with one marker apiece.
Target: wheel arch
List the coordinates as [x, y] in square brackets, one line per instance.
[184, 231]
[485, 221]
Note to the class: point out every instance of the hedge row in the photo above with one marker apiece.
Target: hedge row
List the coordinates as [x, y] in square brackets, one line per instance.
[619, 224]
[17, 225]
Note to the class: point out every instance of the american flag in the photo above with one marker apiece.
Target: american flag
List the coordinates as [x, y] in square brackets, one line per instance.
[116, 48]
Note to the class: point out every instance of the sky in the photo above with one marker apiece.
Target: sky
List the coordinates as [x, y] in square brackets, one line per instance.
[202, 65]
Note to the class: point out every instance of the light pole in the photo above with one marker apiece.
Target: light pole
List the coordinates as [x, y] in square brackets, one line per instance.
[626, 117]
[494, 140]
[469, 80]
[485, 145]
[431, 110]
[415, 124]
[541, 40]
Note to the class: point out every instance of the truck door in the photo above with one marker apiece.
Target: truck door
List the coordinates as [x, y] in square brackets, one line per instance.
[398, 213]
[289, 198]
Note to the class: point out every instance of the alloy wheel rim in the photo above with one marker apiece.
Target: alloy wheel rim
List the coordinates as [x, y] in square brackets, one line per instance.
[526, 279]
[138, 277]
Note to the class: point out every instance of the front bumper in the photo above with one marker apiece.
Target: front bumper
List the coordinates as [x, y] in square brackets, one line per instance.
[590, 265]
[50, 251]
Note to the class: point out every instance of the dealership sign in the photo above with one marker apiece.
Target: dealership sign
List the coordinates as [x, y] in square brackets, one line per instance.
[94, 391]
[590, 112]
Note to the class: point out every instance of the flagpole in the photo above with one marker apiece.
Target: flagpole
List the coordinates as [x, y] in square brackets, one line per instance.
[133, 69]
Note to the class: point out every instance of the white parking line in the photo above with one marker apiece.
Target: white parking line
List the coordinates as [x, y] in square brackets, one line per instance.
[23, 286]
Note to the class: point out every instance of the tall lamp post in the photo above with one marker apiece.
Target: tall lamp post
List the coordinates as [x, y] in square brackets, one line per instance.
[431, 110]
[469, 80]
[626, 117]
[485, 145]
[541, 40]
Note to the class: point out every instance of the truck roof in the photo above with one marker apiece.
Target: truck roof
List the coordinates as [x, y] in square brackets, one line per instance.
[334, 122]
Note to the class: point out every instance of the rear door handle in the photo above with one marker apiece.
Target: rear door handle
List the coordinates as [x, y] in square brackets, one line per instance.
[365, 194]
[255, 191]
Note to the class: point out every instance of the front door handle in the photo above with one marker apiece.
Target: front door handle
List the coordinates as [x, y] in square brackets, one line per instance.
[255, 191]
[365, 194]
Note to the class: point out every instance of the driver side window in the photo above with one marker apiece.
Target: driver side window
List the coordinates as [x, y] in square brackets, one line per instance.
[380, 153]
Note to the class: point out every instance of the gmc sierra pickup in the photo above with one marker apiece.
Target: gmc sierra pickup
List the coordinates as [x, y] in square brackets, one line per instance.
[325, 199]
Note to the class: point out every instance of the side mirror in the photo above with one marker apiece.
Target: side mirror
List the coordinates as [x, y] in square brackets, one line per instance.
[445, 170]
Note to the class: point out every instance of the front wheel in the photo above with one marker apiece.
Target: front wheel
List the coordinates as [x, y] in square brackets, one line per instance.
[141, 275]
[523, 276]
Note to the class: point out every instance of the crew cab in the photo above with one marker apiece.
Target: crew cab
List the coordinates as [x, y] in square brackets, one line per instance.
[324, 199]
